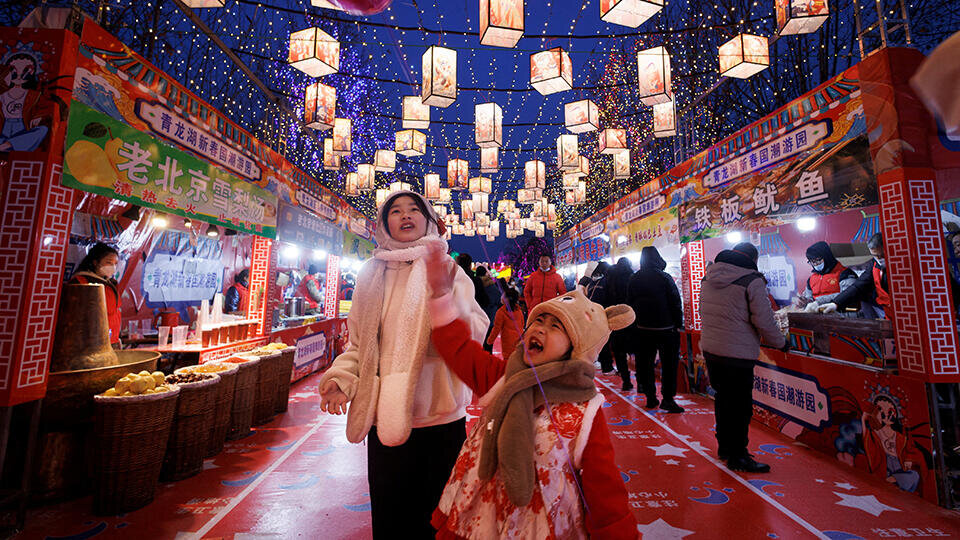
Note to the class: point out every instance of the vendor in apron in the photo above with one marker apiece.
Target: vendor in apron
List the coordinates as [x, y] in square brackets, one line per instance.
[872, 285]
[827, 280]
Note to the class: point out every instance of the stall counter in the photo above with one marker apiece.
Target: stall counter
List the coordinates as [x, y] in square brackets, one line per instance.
[214, 352]
[317, 344]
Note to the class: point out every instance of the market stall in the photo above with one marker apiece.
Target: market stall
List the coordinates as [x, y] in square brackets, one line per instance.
[188, 201]
[854, 157]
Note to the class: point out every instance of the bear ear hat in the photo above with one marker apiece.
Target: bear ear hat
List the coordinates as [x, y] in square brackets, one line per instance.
[620, 316]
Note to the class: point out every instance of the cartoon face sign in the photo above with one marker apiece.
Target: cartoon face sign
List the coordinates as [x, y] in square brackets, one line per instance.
[22, 70]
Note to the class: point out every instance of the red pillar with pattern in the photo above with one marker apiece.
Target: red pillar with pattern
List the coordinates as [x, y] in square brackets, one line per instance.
[900, 131]
[692, 266]
[36, 212]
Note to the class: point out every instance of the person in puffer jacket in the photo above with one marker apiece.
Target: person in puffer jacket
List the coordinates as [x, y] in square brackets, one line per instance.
[736, 315]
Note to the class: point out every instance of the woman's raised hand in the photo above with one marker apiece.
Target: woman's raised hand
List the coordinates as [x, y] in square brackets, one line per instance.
[441, 270]
[332, 399]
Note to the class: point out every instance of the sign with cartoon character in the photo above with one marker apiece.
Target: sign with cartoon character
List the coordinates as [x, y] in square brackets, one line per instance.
[32, 89]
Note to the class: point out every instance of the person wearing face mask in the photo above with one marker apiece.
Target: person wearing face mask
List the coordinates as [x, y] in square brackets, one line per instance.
[99, 267]
[828, 279]
[872, 285]
[543, 284]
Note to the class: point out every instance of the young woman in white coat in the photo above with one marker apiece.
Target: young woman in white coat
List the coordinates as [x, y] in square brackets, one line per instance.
[401, 395]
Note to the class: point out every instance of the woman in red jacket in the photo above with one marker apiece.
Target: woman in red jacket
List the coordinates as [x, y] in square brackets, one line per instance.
[542, 285]
[98, 267]
[507, 323]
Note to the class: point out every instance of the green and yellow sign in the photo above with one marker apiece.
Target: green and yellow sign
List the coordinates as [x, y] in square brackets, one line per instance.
[110, 158]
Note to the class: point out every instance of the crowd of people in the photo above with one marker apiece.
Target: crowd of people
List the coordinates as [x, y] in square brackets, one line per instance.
[422, 330]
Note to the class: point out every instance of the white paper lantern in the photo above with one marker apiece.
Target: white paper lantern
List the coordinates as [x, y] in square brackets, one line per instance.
[331, 161]
[483, 220]
[613, 141]
[494, 228]
[415, 114]
[439, 77]
[445, 196]
[431, 187]
[551, 71]
[385, 160]
[576, 197]
[488, 125]
[744, 56]
[319, 107]
[664, 120]
[342, 136]
[481, 203]
[583, 169]
[353, 185]
[534, 174]
[400, 186]
[621, 165]
[581, 116]
[568, 153]
[366, 177]
[571, 181]
[653, 76]
[630, 13]
[481, 184]
[539, 209]
[458, 174]
[381, 196]
[440, 209]
[451, 219]
[527, 196]
[466, 210]
[506, 206]
[800, 16]
[410, 143]
[551, 212]
[501, 22]
[489, 159]
[314, 52]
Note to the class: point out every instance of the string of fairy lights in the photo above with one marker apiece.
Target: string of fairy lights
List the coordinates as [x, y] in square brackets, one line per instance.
[380, 61]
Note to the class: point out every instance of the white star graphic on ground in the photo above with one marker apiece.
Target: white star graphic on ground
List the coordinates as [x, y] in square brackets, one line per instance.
[672, 462]
[867, 503]
[844, 485]
[661, 530]
[669, 450]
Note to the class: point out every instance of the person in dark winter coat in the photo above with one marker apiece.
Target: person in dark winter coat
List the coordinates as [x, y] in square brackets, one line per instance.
[492, 292]
[593, 288]
[615, 288]
[828, 279]
[465, 261]
[654, 297]
[736, 315]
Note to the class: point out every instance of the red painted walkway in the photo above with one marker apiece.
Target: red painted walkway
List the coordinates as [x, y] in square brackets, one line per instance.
[299, 477]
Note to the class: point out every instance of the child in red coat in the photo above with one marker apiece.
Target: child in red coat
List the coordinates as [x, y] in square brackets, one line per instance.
[508, 323]
[538, 463]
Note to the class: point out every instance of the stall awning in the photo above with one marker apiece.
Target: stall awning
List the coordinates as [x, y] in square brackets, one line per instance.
[868, 227]
[772, 244]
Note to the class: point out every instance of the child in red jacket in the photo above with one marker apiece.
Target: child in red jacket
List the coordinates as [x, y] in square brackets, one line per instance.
[542, 431]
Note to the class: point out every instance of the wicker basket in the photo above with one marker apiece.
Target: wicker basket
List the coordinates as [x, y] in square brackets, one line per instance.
[284, 373]
[241, 414]
[130, 436]
[264, 408]
[223, 406]
[191, 429]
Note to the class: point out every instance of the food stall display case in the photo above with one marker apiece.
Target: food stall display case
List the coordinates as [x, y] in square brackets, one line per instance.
[123, 153]
[856, 156]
